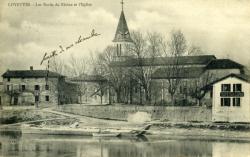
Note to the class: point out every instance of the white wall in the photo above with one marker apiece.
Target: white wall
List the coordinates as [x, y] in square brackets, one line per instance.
[233, 113]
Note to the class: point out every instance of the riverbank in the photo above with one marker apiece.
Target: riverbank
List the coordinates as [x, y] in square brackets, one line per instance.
[51, 119]
[19, 115]
[155, 132]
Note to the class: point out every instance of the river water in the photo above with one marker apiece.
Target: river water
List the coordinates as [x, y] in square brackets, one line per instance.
[17, 145]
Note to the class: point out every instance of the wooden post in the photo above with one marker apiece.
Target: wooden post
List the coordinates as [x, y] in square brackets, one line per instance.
[162, 92]
[1, 103]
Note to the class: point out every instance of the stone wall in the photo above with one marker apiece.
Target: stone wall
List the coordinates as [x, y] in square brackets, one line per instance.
[120, 112]
[27, 97]
[20, 115]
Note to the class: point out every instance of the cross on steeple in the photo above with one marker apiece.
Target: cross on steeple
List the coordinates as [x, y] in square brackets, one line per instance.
[122, 4]
[122, 32]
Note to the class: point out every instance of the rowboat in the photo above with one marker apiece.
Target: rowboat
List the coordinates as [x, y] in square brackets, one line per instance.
[108, 134]
[139, 132]
[33, 129]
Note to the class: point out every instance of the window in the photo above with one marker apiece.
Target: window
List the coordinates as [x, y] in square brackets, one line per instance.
[8, 79]
[37, 87]
[237, 87]
[225, 87]
[46, 87]
[225, 101]
[8, 87]
[236, 101]
[23, 87]
[46, 98]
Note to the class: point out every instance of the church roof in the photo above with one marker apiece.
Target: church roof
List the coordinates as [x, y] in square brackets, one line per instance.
[224, 64]
[161, 61]
[88, 78]
[182, 73]
[122, 32]
[239, 76]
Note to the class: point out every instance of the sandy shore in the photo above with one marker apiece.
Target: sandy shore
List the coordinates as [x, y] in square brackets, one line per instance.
[168, 130]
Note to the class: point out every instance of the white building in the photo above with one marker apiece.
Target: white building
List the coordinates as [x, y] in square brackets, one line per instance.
[231, 99]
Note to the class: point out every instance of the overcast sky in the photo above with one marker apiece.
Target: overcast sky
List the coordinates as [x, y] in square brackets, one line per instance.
[219, 27]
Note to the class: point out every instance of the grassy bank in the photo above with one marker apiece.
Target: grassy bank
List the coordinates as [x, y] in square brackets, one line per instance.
[24, 115]
[204, 125]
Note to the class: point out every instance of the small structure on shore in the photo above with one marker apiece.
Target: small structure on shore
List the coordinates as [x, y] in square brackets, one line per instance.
[231, 98]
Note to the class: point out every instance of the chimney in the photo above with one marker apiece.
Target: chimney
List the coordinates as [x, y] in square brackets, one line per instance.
[31, 67]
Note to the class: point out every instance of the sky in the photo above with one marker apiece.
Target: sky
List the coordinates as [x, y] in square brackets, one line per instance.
[219, 27]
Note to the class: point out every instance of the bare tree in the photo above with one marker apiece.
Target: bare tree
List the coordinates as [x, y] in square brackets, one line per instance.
[145, 48]
[116, 76]
[57, 65]
[194, 50]
[75, 67]
[195, 86]
[175, 48]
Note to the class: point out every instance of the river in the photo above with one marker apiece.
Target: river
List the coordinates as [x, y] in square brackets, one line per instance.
[15, 144]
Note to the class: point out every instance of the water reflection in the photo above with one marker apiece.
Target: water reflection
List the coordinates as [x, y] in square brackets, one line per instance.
[65, 146]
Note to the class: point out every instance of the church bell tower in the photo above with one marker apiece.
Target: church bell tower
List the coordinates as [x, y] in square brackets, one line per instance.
[122, 36]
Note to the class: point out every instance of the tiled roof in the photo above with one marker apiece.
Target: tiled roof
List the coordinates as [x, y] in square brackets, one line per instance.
[160, 61]
[88, 78]
[29, 74]
[183, 73]
[122, 32]
[223, 64]
[239, 76]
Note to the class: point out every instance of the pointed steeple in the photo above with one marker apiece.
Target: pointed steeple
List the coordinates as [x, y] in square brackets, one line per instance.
[122, 32]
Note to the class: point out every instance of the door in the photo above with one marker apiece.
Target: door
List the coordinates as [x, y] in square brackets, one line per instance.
[15, 100]
[36, 98]
[0, 100]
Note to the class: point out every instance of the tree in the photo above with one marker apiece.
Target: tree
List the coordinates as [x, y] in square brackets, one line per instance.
[145, 49]
[175, 48]
[57, 65]
[196, 85]
[76, 67]
[116, 76]
[194, 50]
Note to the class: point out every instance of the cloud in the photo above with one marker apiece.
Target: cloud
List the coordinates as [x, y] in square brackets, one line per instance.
[219, 27]
[26, 38]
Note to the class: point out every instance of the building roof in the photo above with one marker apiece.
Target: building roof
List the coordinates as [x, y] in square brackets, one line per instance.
[223, 64]
[182, 73]
[30, 74]
[88, 78]
[122, 32]
[239, 76]
[160, 61]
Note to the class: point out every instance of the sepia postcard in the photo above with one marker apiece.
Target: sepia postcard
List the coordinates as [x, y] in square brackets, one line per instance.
[124, 78]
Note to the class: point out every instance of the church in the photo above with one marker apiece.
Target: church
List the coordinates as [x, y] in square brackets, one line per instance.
[186, 74]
